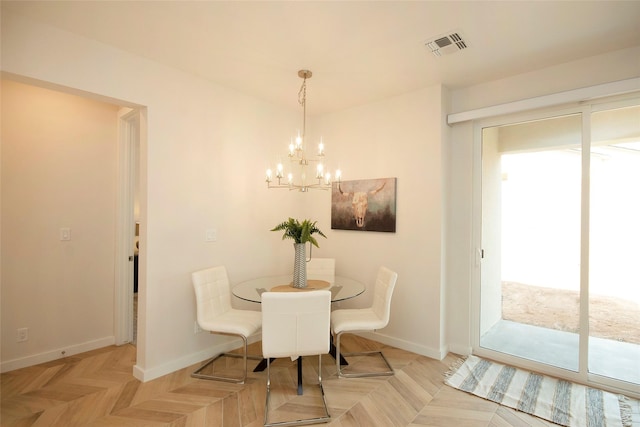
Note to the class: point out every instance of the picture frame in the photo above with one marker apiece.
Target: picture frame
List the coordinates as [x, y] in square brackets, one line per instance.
[364, 205]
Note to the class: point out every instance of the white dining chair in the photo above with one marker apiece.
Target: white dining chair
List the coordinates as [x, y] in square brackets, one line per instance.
[366, 319]
[321, 269]
[295, 324]
[215, 314]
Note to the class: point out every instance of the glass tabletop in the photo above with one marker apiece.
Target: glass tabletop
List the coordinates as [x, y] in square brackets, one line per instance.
[342, 288]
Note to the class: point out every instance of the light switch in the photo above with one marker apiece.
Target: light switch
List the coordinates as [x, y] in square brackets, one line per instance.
[65, 233]
[211, 235]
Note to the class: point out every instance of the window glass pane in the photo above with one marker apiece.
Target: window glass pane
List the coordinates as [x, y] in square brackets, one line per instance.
[530, 291]
[614, 264]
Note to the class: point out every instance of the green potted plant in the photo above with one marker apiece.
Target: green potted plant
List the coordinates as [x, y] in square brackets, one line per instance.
[301, 233]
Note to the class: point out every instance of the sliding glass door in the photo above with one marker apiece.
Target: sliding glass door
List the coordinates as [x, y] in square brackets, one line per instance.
[560, 242]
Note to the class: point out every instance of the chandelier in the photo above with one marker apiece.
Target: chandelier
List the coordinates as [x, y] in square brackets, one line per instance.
[304, 179]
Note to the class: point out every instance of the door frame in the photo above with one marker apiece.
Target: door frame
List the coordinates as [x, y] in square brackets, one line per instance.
[128, 149]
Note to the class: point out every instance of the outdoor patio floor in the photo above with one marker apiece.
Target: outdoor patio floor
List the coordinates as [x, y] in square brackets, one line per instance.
[608, 358]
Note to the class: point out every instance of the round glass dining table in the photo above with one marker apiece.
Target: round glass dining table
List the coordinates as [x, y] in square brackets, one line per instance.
[342, 288]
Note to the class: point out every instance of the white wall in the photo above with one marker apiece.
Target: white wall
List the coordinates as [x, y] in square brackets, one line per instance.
[58, 170]
[610, 67]
[399, 137]
[202, 164]
[461, 270]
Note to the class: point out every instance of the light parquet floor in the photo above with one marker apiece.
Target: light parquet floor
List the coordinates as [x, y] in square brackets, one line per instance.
[97, 389]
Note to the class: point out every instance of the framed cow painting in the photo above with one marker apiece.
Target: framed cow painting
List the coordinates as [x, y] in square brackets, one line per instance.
[364, 205]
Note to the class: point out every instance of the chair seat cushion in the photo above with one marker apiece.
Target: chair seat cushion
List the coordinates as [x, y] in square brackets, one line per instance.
[355, 319]
[239, 322]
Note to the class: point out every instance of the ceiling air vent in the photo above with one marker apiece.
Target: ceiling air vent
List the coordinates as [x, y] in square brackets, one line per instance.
[446, 44]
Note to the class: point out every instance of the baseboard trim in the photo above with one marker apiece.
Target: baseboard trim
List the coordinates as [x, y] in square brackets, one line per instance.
[59, 353]
[460, 349]
[431, 352]
[145, 375]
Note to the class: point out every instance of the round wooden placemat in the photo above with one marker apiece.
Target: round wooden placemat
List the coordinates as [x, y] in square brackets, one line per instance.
[311, 285]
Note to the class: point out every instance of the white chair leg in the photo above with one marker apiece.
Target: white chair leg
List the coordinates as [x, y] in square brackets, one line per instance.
[342, 374]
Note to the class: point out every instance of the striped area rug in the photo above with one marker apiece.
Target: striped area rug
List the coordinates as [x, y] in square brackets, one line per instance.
[558, 401]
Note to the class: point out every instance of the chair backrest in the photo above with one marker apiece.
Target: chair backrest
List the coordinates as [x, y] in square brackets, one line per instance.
[321, 268]
[382, 292]
[213, 294]
[295, 323]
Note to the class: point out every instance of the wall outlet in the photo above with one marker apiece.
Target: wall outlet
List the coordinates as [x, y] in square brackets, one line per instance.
[196, 328]
[22, 334]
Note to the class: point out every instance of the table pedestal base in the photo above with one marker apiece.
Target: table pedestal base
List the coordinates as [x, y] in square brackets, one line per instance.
[263, 365]
[332, 351]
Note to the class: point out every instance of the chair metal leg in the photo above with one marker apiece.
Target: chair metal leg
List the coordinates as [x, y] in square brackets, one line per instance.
[342, 374]
[323, 419]
[266, 405]
[240, 380]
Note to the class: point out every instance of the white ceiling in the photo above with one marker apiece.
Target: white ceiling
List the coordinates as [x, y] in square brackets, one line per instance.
[358, 51]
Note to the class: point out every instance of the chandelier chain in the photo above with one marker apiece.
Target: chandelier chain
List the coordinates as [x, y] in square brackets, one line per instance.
[302, 100]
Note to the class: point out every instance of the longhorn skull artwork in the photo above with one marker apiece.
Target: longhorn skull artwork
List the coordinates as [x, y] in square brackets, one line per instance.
[366, 205]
